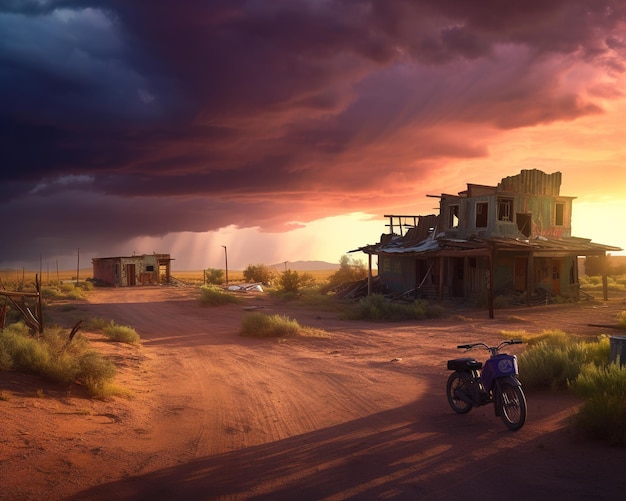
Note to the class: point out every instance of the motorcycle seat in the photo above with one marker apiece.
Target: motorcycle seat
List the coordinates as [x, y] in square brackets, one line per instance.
[464, 364]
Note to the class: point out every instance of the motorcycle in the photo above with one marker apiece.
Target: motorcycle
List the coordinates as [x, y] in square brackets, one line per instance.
[469, 386]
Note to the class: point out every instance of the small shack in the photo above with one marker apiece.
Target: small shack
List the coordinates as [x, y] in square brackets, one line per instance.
[144, 269]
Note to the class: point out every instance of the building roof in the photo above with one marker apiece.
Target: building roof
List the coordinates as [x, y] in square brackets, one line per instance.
[440, 245]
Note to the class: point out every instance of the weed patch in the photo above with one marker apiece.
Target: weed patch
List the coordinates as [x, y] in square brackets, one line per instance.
[553, 359]
[275, 326]
[121, 333]
[603, 414]
[53, 358]
[211, 295]
[378, 307]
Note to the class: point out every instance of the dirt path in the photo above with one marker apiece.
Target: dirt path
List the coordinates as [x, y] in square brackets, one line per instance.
[359, 415]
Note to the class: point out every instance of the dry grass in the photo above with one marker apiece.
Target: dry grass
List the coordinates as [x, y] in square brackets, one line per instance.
[190, 276]
[236, 276]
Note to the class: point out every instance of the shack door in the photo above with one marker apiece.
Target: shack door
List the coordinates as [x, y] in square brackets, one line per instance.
[130, 275]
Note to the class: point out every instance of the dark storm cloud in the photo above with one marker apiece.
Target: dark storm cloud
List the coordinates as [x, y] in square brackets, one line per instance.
[232, 103]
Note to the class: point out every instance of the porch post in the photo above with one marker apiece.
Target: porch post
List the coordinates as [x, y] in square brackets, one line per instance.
[441, 260]
[605, 270]
[369, 274]
[530, 273]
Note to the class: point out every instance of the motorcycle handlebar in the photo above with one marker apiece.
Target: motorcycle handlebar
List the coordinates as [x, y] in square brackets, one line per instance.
[473, 345]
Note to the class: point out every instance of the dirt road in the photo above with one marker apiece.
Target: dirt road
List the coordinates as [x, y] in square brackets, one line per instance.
[361, 414]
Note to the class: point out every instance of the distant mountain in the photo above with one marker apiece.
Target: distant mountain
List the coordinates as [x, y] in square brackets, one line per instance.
[305, 266]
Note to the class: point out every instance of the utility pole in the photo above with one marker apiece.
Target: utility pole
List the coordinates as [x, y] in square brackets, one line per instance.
[226, 262]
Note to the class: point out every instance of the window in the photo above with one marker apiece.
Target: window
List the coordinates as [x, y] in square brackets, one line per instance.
[505, 209]
[453, 221]
[558, 214]
[482, 213]
[149, 267]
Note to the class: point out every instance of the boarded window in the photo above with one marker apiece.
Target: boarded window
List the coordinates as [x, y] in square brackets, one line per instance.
[558, 214]
[482, 213]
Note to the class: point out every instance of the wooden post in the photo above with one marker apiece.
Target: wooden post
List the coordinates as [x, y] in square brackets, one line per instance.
[369, 274]
[605, 271]
[441, 263]
[530, 273]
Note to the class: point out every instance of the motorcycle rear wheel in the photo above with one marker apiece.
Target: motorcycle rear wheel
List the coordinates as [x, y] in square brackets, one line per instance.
[458, 382]
[512, 403]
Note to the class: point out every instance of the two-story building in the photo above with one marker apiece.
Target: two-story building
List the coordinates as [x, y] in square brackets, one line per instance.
[513, 238]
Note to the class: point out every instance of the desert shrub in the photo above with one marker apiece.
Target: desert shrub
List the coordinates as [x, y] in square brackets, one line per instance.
[378, 307]
[290, 282]
[214, 276]
[554, 359]
[63, 291]
[258, 273]
[350, 270]
[260, 325]
[121, 333]
[52, 357]
[23, 352]
[603, 413]
[97, 374]
[214, 296]
[96, 323]
[257, 324]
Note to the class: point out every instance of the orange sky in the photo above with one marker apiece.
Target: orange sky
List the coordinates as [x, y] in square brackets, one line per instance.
[285, 130]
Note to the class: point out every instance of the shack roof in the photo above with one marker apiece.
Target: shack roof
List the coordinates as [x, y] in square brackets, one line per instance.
[442, 246]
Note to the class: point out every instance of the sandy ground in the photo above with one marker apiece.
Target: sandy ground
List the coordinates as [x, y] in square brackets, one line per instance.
[361, 414]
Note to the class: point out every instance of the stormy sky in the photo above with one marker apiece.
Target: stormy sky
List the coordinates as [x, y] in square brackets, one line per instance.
[286, 129]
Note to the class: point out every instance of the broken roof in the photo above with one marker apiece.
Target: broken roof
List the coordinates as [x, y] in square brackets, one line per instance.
[441, 245]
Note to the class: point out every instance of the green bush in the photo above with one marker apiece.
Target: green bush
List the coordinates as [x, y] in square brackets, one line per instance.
[214, 296]
[121, 333]
[258, 273]
[377, 307]
[554, 359]
[290, 282]
[350, 270]
[603, 414]
[214, 276]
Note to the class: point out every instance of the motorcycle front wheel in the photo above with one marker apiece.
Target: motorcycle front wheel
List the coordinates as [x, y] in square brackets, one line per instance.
[512, 403]
[458, 383]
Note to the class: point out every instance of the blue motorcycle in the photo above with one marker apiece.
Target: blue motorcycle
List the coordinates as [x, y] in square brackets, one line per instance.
[469, 386]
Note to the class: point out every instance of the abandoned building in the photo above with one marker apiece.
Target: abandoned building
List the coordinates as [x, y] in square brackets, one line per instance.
[144, 269]
[511, 239]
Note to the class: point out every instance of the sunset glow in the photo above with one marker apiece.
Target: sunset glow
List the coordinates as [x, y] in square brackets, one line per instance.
[286, 130]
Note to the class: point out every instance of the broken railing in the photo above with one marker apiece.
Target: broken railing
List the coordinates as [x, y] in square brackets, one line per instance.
[31, 313]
